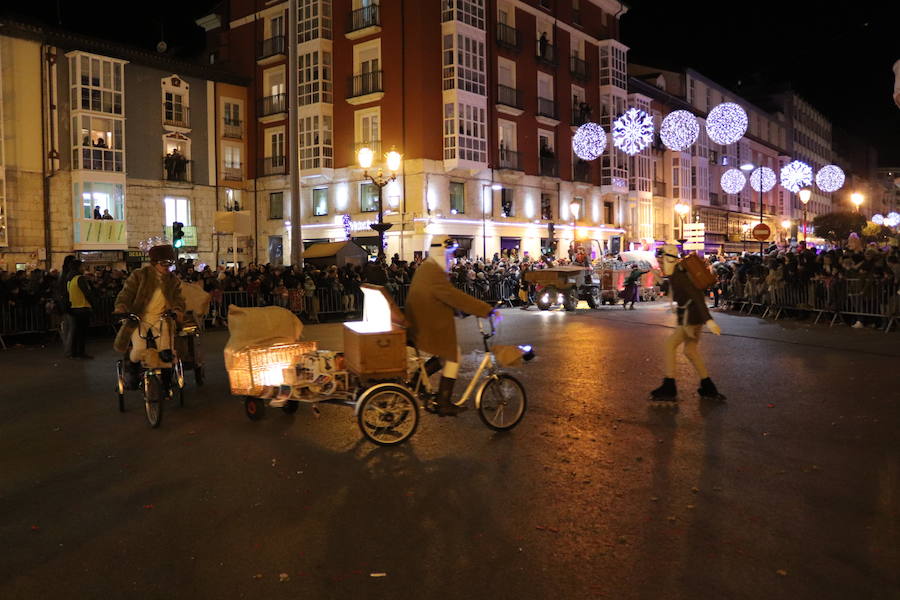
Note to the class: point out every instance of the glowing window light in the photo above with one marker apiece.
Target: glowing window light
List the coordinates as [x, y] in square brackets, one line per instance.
[795, 175]
[732, 181]
[679, 130]
[830, 178]
[589, 141]
[878, 219]
[768, 179]
[632, 131]
[726, 123]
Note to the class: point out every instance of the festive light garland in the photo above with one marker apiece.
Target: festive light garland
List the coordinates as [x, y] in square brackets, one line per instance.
[726, 123]
[796, 175]
[679, 130]
[345, 220]
[830, 178]
[589, 141]
[732, 181]
[632, 131]
[768, 179]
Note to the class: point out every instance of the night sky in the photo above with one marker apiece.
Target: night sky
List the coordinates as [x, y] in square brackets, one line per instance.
[839, 60]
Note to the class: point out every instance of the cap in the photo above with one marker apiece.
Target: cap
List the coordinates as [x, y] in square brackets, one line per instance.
[163, 252]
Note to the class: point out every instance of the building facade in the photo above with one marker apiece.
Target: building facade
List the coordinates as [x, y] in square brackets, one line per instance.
[100, 150]
[480, 96]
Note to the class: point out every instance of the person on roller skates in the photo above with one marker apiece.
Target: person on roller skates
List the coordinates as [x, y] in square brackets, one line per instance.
[688, 292]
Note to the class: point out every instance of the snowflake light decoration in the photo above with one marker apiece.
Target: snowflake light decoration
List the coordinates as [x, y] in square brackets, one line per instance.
[892, 219]
[726, 123]
[679, 130]
[732, 181]
[589, 141]
[768, 179]
[830, 178]
[878, 219]
[633, 131]
[796, 175]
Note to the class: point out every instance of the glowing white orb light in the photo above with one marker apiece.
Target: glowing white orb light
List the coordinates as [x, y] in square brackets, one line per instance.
[830, 178]
[679, 130]
[589, 141]
[633, 131]
[726, 123]
[795, 175]
[892, 219]
[768, 179]
[878, 219]
[732, 181]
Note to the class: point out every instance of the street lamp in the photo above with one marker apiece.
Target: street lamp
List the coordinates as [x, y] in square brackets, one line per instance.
[857, 199]
[804, 199]
[745, 227]
[749, 167]
[393, 158]
[786, 225]
[682, 209]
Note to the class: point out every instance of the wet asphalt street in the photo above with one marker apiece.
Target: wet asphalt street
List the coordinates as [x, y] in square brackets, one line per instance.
[791, 489]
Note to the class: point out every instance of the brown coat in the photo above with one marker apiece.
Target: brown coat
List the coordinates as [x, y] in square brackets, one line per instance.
[136, 294]
[429, 310]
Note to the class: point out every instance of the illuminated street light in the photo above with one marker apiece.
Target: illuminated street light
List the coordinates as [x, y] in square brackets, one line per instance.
[857, 199]
[804, 199]
[365, 156]
[682, 209]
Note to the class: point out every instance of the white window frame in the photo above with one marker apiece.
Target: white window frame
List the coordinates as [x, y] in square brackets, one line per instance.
[505, 123]
[551, 139]
[177, 208]
[511, 66]
[546, 80]
[268, 74]
[359, 130]
[366, 49]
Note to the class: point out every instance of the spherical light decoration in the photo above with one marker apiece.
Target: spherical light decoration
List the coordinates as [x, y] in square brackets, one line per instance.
[878, 219]
[892, 219]
[633, 131]
[732, 181]
[726, 123]
[768, 179]
[830, 178]
[795, 175]
[589, 141]
[679, 130]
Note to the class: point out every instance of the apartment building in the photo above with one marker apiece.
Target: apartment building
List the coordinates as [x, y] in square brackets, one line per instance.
[480, 96]
[94, 128]
[693, 176]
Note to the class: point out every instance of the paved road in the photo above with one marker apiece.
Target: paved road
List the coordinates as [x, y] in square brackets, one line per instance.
[789, 490]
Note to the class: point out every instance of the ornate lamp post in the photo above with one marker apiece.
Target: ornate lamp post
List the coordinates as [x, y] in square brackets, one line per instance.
[786, 225]
[857, 199]
[393, 158]
[682, 209]
[804, 199]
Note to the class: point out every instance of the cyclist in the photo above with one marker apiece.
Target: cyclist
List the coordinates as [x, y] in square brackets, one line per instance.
[149, 292]
[429, 311]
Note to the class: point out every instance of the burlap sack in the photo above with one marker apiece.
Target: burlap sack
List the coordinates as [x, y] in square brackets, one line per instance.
[195, 299]
[260, 327]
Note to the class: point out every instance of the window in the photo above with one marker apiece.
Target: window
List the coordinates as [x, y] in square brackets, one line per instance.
[232, 112]
[464, 66]
[367, 58]
[368, 130]
[177, 209]
[96, 83]
[457, 198]
[313, 20]
[320, 201]
[174, 109]
[368, 197]
[273, 82]
[609, 213]
[470, 12]
[579, 202]
[97, 143]
[507, 202]
[232, 157]
[232, 199]
[612, 67]
[314, 78]
[547, 207]
[275, 148]
[465, 135]
[316, 148]
[105, 196]
[276, 205]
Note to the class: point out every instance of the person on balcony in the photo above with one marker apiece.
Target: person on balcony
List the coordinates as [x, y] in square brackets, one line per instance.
[97, 214]
[106, 216]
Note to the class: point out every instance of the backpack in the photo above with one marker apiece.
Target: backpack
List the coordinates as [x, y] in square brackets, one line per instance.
[698, 272]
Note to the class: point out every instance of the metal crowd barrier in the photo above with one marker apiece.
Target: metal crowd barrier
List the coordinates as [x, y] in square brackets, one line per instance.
[832, 297]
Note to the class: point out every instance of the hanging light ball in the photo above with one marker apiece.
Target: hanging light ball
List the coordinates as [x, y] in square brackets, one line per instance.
[767, 177]
[679, 130]
[732, 181]
[892, 219]
[795, 175]
[830, 178]
[878, 219]
[726, 123]
[633, 131]
[589, 141]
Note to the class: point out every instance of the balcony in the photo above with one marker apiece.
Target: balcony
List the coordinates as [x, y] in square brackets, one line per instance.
[549, 166]
[233, 128]
[659, 189]
[270, 106]
[97, 234]
[580, 116]
[364, 88]
[507, 37]
[176, 115]
[363, 21]
[98, 159]
[578, 68]
[582, 171]
[509, 96]
[546, 108]
[546, 54]
[232, 172]
[176, 168]
[271, 49]
[509, 159]
[274, 165]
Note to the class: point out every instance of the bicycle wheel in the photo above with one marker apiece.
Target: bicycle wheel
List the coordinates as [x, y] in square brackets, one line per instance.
[501, 402]
[387, 414]
[120, 385]
[153, 399]
[254, 407]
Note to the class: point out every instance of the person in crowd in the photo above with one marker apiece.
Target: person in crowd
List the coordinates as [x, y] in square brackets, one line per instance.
[631, 292]
[80, 295]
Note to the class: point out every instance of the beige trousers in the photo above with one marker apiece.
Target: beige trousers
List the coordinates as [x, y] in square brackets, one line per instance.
[689, 335]
[139, 344]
